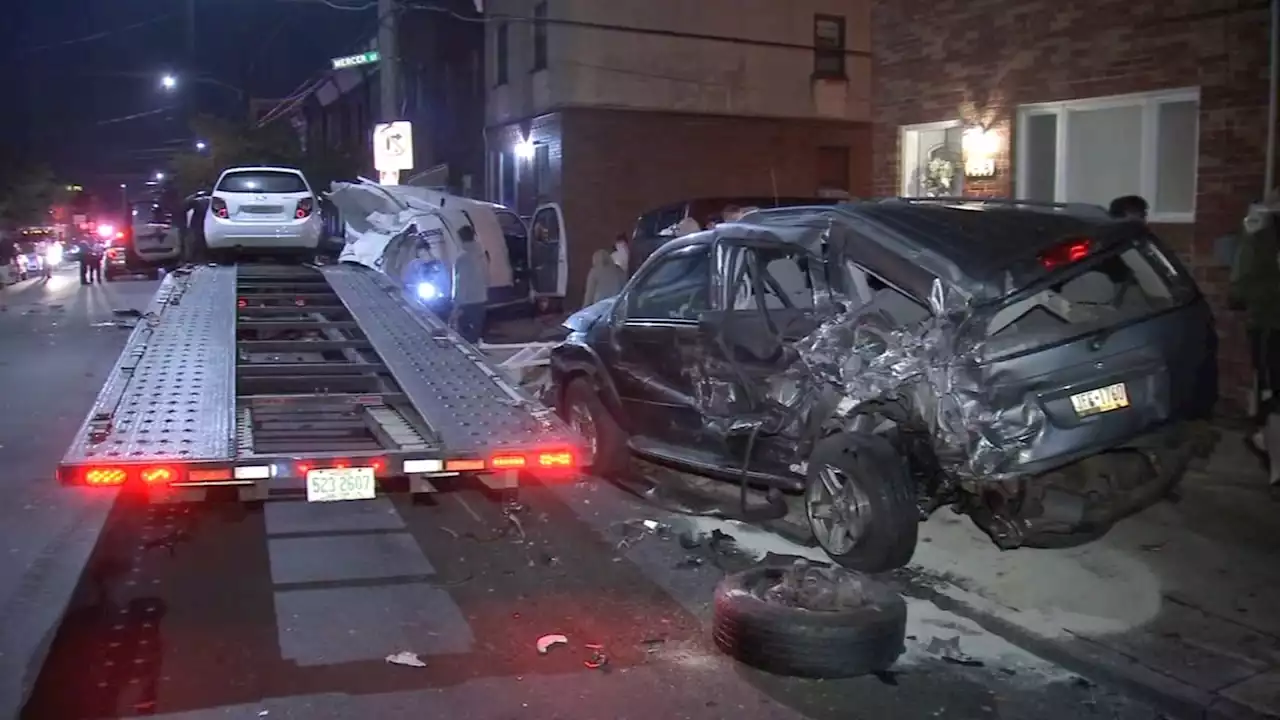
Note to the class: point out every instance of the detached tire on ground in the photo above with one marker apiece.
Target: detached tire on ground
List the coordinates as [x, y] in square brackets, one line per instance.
[611, 456]
[799, 642]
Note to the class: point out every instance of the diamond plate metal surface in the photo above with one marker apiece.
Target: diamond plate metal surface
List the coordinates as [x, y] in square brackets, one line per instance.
[469, 405]
[171, 396]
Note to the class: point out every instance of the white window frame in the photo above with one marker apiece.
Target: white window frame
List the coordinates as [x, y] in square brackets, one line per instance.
[903, 181]
[1150, 103]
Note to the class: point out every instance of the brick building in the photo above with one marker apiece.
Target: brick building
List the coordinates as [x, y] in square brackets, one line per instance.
[1083, 102]
[600, 111]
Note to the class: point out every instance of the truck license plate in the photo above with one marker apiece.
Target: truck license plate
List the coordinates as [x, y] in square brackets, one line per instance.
[1106, 399]
[337, 484]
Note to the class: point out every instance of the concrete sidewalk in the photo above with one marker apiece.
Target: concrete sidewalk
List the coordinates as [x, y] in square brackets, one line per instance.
[1181, 602]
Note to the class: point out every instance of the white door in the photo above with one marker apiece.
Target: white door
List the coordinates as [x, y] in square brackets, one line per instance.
[548, 252]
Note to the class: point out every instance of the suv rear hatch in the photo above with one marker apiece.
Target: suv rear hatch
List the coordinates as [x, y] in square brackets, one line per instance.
[1107, 334]
[269, 196]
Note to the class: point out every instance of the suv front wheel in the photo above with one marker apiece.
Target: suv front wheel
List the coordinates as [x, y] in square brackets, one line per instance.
[606, 451]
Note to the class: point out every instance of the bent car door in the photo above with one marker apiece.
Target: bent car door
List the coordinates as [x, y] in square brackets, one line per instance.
[654, 345]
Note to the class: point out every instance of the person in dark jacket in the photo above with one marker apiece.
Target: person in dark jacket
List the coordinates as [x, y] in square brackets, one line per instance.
[1129, 207]
[86, 260]
[1255, 289]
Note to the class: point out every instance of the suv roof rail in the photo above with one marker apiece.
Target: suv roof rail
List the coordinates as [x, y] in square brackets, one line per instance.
[1088, 209]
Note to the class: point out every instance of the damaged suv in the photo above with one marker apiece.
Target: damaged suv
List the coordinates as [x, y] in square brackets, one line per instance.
[1038, 367]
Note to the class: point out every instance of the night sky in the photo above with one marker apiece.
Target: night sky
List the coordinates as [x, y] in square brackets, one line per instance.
[60, 97]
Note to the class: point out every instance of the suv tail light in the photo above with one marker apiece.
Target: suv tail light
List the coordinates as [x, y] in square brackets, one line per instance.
[1069, 252]
[219, 207]
[304, 208]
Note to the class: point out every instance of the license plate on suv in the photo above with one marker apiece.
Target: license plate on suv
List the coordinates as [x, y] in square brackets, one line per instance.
[1100, 400]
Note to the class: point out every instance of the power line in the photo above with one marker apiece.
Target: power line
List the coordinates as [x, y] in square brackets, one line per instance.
[134, 116]
[95, 36]
[632, 30]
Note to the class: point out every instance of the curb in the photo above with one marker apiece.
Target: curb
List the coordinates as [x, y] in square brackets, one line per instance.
[1098, 663]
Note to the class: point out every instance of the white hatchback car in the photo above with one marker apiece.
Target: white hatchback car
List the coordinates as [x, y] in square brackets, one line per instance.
[262, 208]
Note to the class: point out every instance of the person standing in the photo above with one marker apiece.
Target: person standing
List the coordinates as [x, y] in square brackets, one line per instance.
[1255, 289]
[605, 279]
[85, 259]
[470, 287]
[621, 254]
[97, 254]
[1129, 207]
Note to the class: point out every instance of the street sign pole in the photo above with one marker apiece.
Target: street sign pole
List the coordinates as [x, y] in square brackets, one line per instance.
[388, 69]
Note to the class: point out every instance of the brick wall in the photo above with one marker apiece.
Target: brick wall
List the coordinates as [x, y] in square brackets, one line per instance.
[619, 164]
[947, 59]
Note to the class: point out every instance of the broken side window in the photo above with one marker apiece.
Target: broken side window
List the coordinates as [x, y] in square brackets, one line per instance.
[786, 280]
[678, 287]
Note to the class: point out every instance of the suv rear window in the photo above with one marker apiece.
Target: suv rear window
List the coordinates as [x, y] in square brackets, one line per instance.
[262, 181]
[1136, 281]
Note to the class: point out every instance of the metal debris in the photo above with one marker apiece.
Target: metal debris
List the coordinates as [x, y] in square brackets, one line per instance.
[406, 658]
[546, 642]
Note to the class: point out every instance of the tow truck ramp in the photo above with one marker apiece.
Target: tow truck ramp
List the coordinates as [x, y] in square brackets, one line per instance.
[279, 379]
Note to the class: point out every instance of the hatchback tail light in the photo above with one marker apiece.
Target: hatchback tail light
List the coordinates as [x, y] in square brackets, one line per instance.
[1067, 253]
[219, 207]
[304, 208]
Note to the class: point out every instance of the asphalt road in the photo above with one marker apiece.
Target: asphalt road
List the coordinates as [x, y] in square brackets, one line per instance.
[290, 610]
[52, 361]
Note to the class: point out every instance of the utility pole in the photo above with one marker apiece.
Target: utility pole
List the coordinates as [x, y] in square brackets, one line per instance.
[388, 64]
[188, 101]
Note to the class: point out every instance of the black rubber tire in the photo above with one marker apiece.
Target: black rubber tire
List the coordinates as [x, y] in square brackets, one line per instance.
[612, 455]
[807, 643]
[890, 539]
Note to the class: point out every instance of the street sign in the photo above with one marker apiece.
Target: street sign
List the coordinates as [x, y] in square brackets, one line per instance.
[393, 146]
[388, 177]
[364, 58]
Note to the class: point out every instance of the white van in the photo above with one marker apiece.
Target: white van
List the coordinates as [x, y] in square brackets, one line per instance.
[522, 268]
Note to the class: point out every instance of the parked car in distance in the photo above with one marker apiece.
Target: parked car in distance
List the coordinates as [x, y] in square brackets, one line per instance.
[262, 210]
[1041, 368]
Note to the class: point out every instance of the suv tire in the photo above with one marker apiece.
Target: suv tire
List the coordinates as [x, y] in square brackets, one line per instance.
[873, 477]
[832, 643]
[611, 457]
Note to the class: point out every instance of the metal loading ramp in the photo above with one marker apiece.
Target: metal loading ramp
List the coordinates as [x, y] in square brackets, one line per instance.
[308, 381]
[470, 406]
[171, 395]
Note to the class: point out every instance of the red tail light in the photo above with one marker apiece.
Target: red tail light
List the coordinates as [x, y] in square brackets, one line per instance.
[558, 460]
[219, 207]
[507, 462]
[304, 208]
[1067, 253]
[105, 476]
[160, 475]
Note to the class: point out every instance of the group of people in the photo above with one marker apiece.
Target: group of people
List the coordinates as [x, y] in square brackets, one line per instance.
[92, 255]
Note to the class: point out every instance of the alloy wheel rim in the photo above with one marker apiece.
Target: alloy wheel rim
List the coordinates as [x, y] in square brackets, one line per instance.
[838, 509]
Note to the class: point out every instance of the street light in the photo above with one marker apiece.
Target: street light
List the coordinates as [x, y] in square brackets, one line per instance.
[159, 177]
[168, 82]
[201, 146]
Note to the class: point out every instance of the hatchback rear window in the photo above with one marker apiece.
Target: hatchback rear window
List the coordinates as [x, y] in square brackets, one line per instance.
[1136, 281]
[260, 181]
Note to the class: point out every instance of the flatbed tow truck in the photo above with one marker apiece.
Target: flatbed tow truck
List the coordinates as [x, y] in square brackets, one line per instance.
[272, 380]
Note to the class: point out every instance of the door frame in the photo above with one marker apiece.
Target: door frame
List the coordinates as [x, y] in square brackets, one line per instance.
[903, 132]
[562, 261]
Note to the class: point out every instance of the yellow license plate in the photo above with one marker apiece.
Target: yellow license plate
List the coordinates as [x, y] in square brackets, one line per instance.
[1105, 399]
